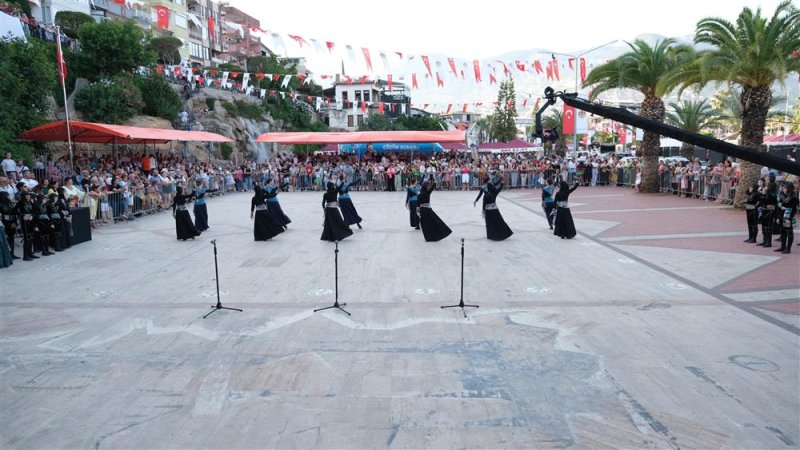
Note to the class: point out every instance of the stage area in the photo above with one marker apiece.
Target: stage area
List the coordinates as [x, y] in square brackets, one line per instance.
[656, 327]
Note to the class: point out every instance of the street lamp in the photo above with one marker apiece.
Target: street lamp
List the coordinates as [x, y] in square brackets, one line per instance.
[577, 66]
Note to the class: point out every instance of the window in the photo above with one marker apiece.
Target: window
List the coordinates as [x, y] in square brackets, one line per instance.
[360, 120]
[350, 120]
[366, 96]
[344, 98]
[358, 96]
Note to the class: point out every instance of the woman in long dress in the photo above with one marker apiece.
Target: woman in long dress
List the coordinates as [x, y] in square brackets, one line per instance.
[264, 226]
[200, 209]
[274, 206]
[333, 229]
[496, 227]
[349, 212]
[184, 227]
[433, 228]
[564, 227]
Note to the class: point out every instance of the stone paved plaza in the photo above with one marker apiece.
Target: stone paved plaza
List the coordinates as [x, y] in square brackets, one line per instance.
[656, 327]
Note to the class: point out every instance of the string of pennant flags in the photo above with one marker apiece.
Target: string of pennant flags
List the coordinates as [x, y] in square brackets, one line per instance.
[241, 81]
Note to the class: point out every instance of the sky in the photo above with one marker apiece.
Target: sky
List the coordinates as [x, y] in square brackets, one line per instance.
[477, 30]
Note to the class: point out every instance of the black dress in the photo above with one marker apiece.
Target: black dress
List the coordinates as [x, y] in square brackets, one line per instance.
[333, 229]
[264, 226]
[564, 226]
[496, 227]
[412, 202]
[200, 210]
[349, 212]
[433, 228]
[274, 207]
[184, 227]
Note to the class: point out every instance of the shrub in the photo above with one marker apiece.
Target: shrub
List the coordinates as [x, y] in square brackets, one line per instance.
[159, 98]
[70, 21]
[250, 110]
[225, 150]
[110, 101]
[231, 108]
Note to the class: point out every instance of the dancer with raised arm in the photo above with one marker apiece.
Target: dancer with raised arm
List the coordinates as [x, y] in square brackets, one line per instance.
[564, 227]
[349, 212]
[333, 228]
[273, 205]
[433, 228]
[412, 202]
[184, 227]
[264, 226]
[496, 227]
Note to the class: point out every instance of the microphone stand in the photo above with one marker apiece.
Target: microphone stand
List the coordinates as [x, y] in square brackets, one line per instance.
[336, 298]
[218, 306]
[461, 301]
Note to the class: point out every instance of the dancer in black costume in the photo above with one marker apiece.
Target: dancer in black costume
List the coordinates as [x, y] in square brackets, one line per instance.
[200, 208]
[496, 227]
[564, 227]
[66, 218]
[273, 205]
[264, 226]
[184, 228]
[412, 202]
[349, 212]
[333, 229]
[10, 221]
[787, 210]
[433, 228]
[751, 211]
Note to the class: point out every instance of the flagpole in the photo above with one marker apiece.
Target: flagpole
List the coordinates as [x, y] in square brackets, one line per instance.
[62, 76]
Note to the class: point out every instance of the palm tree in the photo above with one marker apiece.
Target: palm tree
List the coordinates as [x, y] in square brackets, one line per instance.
[750, 54]
[729, 104]
[694, 116]
[555, 121]
[484, 124]
[644, 69]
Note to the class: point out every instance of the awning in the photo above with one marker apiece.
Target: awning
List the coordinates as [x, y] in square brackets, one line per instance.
[195, 20]
[363, 137]
[99, 133]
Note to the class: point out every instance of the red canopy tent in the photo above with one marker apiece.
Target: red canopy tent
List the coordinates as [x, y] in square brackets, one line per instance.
[99, 133]
[362, 137]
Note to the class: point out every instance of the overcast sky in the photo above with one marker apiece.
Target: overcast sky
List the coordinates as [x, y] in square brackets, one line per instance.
[480, 29]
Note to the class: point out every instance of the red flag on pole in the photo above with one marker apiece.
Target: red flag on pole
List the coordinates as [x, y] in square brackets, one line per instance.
[414, 81]
[162, 12]
[452, 65]
[367, 58]
[439, 81]
[389, 80]
[330, 45]
[464, 109]
[476, 66]
[492, 79]
[568, 124]
[583, 69]
[62, 65]
[449, 107]
[537, 66]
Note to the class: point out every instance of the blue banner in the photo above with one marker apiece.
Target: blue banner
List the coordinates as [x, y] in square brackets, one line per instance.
[424, 148]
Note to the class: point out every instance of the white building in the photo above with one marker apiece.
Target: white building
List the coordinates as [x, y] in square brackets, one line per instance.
[350, 103]
[45, 10]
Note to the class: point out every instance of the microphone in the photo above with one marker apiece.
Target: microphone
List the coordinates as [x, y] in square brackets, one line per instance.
[213, 241]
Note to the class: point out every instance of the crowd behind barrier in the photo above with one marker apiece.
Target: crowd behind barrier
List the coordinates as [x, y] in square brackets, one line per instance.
[141, 184]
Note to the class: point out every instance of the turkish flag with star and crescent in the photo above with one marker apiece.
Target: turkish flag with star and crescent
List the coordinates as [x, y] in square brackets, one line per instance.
[162, 12]
[568, 125]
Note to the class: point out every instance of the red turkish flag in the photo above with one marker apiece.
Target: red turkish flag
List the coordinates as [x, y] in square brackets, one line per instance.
[549, 70]
[439, 81]
[555, 69]
[62, 65]
[119, 2]
[427, 64]
[505, 68]
[160, 69]
[330, 45]
[364, 79]
[213, 72]
[234, 74]
[476, 66]
[520, 65]
[162, 12]
[367, 58]
[211, 27]
[568, 124]
[537, 66]
[570, 63]
[276, 77]
[425, 106]
[583, 69]
[449, 107]
[389, 80]
[452, 63]
[492, 79]
[302, 78]
[622, 135]
[380, 107]
[363, 106]
[464, 109]
[414, 81]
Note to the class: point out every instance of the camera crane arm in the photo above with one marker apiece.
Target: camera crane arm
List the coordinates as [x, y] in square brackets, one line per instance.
[663, 129]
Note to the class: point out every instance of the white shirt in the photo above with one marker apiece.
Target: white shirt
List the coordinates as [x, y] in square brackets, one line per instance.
[74, 192]
[10, 188]
[9, 165]
[30, 183]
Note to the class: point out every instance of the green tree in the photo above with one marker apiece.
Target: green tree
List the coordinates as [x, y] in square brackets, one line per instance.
[27, 79]
[504, 127]
[70, 21]
[159, 98]
[694, 116]
[749, 55]
[166, 47]
[795, 125]
[645, 69]
[110, 101]
[376, 122]
[111, 48]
